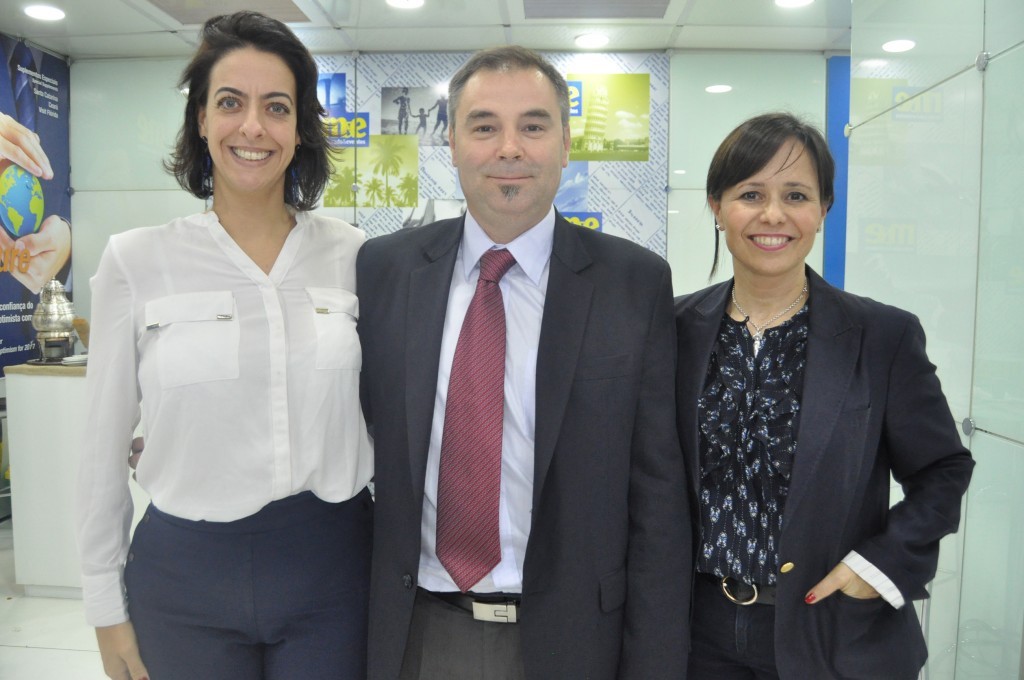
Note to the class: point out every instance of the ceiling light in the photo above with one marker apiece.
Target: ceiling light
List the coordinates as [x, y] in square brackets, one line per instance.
[591, 41]
[718, 89]
[405, 4]
[899, 46]
[44, 12]
[789, 4]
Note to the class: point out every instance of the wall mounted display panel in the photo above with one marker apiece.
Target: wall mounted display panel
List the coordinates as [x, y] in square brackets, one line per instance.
[998, 405]
[126, 114]
[992, 600]
[760, 82]
[101, 214]
[912, 226]
[948, 37]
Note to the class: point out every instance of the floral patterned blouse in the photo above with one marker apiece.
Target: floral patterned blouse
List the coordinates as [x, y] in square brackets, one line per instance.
[748, 414]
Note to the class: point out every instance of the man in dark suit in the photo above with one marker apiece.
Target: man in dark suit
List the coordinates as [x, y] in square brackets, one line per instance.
[577, 565]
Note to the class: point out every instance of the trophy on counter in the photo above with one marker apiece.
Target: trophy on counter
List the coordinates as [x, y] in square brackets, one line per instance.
[54, 322]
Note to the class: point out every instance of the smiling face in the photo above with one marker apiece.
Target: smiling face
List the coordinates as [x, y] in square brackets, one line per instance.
[249, 121]
[509, 146]
[770, 219]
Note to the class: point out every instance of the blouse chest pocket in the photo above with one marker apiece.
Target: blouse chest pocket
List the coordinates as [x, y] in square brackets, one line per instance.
[197, 337]
[335, 312]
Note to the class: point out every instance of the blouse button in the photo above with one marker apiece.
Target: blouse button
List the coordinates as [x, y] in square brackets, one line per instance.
[787, 567]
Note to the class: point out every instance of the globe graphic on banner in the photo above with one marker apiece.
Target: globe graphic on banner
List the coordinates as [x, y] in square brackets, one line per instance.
[21, 200]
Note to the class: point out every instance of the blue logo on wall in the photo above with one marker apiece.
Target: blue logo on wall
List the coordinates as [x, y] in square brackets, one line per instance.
[575, 97]
[349, 129]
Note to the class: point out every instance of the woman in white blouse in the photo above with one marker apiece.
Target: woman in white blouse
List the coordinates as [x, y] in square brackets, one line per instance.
[231, 334]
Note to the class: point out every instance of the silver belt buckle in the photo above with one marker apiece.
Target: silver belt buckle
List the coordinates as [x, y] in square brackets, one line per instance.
[495, 612]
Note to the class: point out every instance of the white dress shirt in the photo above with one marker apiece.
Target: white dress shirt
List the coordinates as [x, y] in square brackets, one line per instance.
[247, 383]
[523, 290]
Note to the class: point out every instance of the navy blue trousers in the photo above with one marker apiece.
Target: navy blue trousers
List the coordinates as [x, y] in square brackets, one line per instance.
[280, 595]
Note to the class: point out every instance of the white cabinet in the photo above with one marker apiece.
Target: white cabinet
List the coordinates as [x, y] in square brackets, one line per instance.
[46, 421]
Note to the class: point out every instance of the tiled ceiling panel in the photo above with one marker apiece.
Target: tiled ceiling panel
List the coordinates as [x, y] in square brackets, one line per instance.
[190, 12]
[595, 9]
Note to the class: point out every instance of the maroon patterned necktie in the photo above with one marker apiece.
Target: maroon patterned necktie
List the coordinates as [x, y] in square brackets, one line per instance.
[469, 479]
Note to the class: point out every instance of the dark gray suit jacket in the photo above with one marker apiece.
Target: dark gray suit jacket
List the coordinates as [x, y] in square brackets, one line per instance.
[606, 576]
[871, 405]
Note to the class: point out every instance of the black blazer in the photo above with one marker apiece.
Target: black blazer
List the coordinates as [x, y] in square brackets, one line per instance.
[872, 406]
[606, 575]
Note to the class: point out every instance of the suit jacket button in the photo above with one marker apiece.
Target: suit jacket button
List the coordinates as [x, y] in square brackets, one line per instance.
[407, 581]
[787, 567]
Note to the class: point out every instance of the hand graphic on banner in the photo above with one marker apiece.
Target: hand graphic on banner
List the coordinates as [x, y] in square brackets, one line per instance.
[49, 248]
[20, 145]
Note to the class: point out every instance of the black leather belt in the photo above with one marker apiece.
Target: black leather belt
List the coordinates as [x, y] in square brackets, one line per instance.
[739, 592]
[492, 607]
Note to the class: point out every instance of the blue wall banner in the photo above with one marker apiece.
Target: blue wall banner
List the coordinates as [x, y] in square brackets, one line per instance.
[35, 189]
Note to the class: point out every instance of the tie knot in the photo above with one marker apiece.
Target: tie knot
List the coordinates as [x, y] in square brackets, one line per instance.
[494, 264]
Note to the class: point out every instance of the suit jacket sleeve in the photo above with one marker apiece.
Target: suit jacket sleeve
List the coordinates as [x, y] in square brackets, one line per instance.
[656, 634]
[920, 439]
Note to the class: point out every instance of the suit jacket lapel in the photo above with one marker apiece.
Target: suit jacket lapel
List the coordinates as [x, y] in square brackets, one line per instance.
[425, 316]
[566, 309]
[832, 356]
[698, 328]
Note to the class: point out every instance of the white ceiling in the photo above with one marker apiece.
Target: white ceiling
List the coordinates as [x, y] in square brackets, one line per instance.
[98, 29]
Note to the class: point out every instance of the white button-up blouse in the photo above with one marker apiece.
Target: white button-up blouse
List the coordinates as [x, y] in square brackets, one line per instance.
[246, 383]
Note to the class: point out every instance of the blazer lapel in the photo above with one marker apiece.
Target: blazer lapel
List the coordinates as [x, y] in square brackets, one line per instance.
[566, 308]
[832, 356]
[424, 323]
[697, 330]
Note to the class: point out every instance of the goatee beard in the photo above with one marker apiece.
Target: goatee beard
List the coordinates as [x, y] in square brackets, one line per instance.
[509, 191]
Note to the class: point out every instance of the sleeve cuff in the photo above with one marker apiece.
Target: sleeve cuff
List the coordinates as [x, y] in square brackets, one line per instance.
[104, 600]
[875, 578]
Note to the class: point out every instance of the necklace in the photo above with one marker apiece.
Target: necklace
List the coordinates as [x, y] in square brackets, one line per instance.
[759, 330]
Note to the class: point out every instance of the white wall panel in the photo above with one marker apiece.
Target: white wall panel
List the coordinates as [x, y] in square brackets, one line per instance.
[125, 114]
[998, 386]
[761, 82]
[992, 601]
[912, 227]
[948, 37]
[1004, 24]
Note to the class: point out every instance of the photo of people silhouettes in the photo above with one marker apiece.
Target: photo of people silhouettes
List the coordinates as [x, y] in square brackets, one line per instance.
[424, 104]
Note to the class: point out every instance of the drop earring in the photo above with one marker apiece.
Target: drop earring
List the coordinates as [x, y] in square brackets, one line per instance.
[207, 178]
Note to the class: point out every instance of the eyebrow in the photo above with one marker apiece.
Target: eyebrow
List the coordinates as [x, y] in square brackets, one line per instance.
[481, 114]
[786, 184]
[269, 95]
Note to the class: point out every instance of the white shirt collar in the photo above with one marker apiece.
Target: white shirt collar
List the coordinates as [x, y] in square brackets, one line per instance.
[532, 248]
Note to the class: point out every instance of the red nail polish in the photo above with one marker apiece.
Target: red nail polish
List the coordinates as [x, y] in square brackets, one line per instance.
[811, 597]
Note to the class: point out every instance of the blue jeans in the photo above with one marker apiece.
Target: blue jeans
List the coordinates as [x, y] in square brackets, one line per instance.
[729, 641]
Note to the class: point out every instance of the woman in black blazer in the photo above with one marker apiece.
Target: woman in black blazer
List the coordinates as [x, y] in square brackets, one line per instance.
[797, 402]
